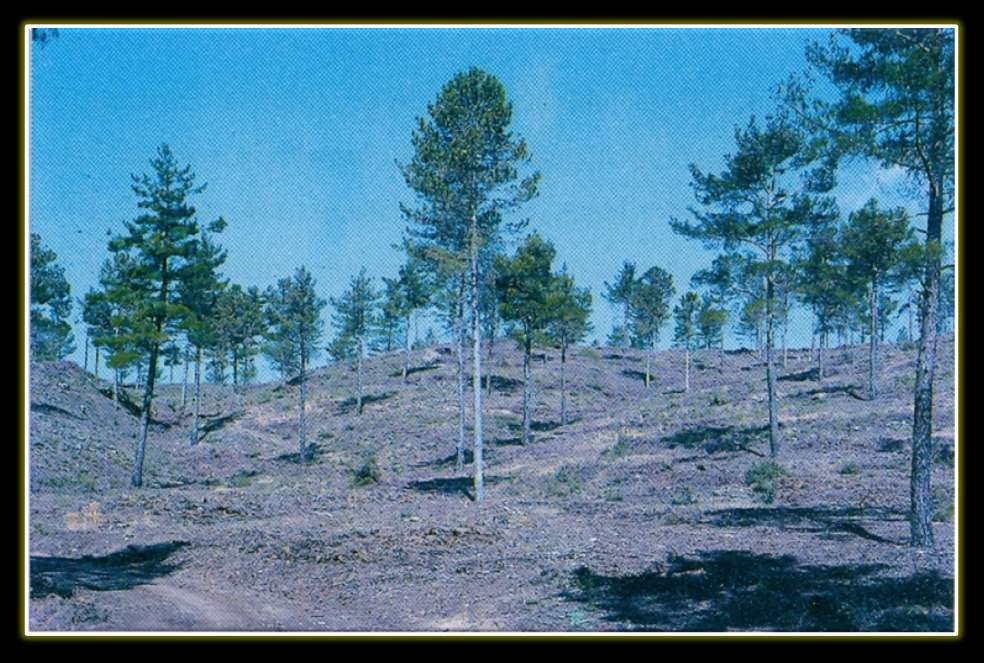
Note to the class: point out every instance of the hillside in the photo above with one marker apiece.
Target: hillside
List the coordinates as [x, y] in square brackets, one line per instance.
[639, 514]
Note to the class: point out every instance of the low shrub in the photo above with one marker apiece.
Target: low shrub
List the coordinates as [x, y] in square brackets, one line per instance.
[764, 479]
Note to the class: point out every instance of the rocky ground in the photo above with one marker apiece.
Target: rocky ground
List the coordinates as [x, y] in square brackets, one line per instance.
[653, 510]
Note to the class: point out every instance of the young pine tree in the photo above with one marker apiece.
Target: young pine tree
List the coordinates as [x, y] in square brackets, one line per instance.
[873, 242]
[294, 329]
[465, 172]
[762, 205]
[619, 294]
[199, 293]
[569, 309]
[51, 305]
[649, 310]
[356, 315]
[524, 286]
[161, 241]
[686, 313]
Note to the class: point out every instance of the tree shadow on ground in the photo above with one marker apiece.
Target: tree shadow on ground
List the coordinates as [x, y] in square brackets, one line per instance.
[718, 439]
[829, 522]
[415, 369]
[123, 569]
[314, 453]
[451, 459]
[348, 405]
[723, 590]
[807, 375]
[635, 375]
[848, 389]
[505, 385]
[452, 485]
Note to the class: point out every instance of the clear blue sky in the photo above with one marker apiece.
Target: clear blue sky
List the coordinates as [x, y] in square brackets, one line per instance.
[297, 132]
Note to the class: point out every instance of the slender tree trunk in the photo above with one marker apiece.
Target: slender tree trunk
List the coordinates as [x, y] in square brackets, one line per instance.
[184, 383]
[527, 352]
[459, 334]
[235, 372]
[912, 305]
[563, 384]
[116, 385]
[820, 347]
[686, 372]
[922, 423]
[774, 442]
[358, 397]
[85, 361]
[873, 341]
[649, 362]
[302, 452]
[626, 341]
[97, 362]
[406, 350]
[148, 397]
[477, 365]
[785, 347]
[198, 395]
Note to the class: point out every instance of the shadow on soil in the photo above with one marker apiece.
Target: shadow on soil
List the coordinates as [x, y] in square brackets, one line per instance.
[415, 369]
[724, 590]
[718, 439]
[123, 569]
[348, 405]
[452, 485]
[505, 385]
[829, 522]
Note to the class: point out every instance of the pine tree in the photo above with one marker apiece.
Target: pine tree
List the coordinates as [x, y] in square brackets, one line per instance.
[238, 325]
[762, 205]
[465, 172]
[97, 314]
[823, 284]
[649, 309]
[711, 320]
[161, 241]
[293, 330]
[51, 305]
[356, 315]
[569, 309]
[894, 104]
[686, 313]
[873, 239]
[199, 293]
[619, 293]
[524, 286]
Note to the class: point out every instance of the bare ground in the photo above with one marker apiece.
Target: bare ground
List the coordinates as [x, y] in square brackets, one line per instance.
[635, 516]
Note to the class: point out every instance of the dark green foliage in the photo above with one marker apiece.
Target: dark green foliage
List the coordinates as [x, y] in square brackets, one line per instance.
[649, 310]
[764, 203]
[368, 473]
[686, 313]
[764, 479]
[619, 293]
[51, 305]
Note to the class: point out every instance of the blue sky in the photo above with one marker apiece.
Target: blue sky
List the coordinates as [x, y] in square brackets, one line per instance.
[298, 131]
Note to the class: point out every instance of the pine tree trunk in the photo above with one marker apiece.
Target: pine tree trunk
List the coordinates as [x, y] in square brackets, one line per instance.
[686, 372]
[97, 362]
[770, 371]
[477, 366]
[358, 398]
[563, 384]
[527, 352]
[148, 398]
[649, 362]
[116, 385]
[785, 348]
[85, 361]
[184, 383]
[302, 453]
[406, 350]
[922, 422]
[198, 395]
[873, 341]
[626, 341]
[459, 334]
[822, 344]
